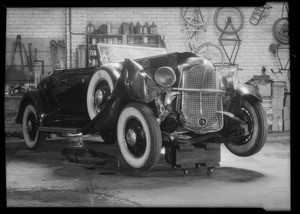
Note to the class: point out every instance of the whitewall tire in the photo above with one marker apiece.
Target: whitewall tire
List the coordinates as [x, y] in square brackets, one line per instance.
[30, 126]
[139, 136]
[100, 87]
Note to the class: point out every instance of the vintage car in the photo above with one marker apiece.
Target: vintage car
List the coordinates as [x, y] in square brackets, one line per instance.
[145, 100]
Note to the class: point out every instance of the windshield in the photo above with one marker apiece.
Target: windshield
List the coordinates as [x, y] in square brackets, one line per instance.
[117, 53]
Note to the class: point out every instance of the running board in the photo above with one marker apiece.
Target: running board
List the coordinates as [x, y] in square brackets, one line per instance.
[60, 130]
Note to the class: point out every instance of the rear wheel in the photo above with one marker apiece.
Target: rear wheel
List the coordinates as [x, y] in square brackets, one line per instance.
[139, 136]
[30, 124]
[256, 119]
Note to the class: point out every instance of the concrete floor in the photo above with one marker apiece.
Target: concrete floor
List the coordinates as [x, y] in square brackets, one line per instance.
[44, 178]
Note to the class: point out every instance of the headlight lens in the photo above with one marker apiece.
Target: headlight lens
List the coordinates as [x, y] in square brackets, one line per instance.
[230, 79]
[165, 76]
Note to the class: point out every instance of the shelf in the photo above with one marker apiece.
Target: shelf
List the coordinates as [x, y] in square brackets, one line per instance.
[154, 40]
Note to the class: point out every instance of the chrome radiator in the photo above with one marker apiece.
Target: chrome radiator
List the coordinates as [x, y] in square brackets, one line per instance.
[201, 98]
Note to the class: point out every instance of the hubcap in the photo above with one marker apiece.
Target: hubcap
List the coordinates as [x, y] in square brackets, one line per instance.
[249, 121]
[98, 97]
[31, 126]
[101, 95]
[131, 137]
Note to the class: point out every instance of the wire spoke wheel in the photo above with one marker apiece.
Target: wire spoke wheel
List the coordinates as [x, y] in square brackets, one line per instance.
[280, 30]
[213, 53]
[229, 19]
[196, 16]
[101, 95]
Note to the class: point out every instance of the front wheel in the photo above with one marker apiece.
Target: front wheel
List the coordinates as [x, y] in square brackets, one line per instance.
[256, 119]
[139, 136]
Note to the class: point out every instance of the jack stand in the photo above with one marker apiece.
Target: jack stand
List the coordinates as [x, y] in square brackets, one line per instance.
[187, 156]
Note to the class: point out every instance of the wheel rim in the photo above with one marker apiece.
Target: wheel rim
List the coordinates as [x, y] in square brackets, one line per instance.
[135, 138]
[223, 15]
[31, 126]
[101, 95]
[196, 16]
[212, 53]
[281, 30]
[249, 121]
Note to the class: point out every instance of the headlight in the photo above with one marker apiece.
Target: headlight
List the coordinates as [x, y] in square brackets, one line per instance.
[165, 76]
[230, 79]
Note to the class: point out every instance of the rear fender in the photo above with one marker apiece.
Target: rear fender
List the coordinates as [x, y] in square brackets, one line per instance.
[39, 102]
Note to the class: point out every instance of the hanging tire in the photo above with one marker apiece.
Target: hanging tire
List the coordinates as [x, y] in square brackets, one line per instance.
[139, 136]
[196, 16]
[280, 30]
[206, 49]
[99, 91]
[256, 119]
[222, 13]
[30, 126]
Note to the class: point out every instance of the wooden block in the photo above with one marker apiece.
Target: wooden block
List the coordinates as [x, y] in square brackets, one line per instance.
[277, 103]
[286, 112]
[189, 158]
[286, 125]
[278, 89]
[287, 100]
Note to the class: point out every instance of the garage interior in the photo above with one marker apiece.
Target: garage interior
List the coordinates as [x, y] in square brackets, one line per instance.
[39, 40]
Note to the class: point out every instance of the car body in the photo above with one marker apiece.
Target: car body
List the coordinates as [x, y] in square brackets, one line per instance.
[146, 103]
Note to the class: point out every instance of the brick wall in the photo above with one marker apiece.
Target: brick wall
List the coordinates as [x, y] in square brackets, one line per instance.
[254, 50]
[36, 22]
[54, 22]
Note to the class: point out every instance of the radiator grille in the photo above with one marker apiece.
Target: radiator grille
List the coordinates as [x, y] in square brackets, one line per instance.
[197, 105]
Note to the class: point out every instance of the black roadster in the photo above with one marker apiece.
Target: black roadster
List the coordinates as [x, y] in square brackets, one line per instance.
[147, 103]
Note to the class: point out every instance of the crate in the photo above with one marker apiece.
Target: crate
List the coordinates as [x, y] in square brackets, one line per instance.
[277, 114]
[286, 112]
[277, 125]
[267, 103]
[265, 90]
[286, 125]
[277, 103]
[278, 89]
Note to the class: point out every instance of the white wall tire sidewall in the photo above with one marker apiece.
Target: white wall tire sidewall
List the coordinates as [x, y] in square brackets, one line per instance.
[130, 159]
[29, 143]
[101, 74]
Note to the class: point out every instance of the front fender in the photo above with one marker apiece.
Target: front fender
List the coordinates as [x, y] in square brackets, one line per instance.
[138, 83]
[248, 90]
[32, 97]
[233, 102]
